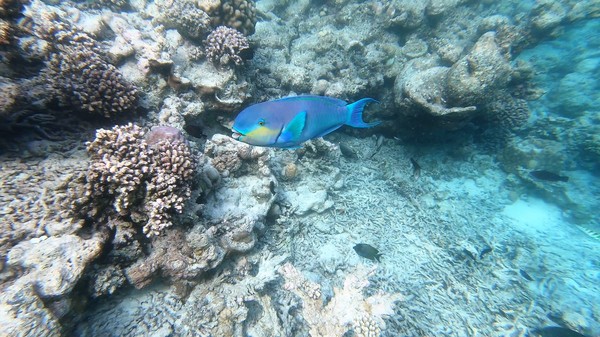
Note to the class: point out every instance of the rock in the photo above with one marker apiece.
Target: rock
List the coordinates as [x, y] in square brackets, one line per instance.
[305, 200]
[424, 87]
[54, 265]
[440, 7]
[479, 73]
[547, 15]
[23, 313]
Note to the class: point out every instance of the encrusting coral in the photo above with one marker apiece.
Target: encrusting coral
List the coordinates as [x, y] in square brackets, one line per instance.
[184, 16]
[138, 175]
[225, 44]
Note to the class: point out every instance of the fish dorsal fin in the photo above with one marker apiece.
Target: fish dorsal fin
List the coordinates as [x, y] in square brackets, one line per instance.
[293, 130]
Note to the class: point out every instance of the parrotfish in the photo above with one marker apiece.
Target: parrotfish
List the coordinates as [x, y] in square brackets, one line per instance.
[290, 121]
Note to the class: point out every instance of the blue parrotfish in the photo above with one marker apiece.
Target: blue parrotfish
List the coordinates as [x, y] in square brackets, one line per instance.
[290, 121]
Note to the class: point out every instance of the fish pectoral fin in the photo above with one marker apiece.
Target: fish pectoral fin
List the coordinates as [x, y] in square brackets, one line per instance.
[293, 130]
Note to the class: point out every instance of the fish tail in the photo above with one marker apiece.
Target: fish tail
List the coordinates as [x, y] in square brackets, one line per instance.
[355, 111]
[378, 257]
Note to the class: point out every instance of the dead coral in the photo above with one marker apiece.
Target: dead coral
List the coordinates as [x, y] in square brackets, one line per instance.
[148, 182]
[477, 75]
[32, 199]
[224, 45]
[178, 256]
[347, 310]
[227, 155]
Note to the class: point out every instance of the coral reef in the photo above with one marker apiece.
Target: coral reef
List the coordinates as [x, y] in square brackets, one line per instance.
[231, 215]
[231, 304]
[482, 71]
[54, 265]
[32, 199]
[199, 232]
[79, 78]
[57, 69]
[224, 45]
[185, 16]
[239, 14]
[147, 176]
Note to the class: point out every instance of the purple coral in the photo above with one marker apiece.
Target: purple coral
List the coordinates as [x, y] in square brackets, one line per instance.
[164, 132]
[225, 44]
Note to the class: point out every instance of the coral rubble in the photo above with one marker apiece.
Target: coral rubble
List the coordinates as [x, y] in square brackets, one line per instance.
[348, 309]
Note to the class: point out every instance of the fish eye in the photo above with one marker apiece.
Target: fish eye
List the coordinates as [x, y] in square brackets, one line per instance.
[261, 122]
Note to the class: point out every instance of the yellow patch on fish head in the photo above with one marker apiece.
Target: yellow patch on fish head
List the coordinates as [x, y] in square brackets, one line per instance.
[260, 135]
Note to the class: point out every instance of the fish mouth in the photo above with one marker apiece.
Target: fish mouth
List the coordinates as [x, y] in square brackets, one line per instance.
[237, 135]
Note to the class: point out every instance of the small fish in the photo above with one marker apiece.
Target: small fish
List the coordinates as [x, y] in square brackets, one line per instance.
[485, 251]
[290, 121]
[367, 251]
[548, 176]
[416, 169]
[469, 254]
[347, 151]
[525, 275]
[378, 144]
[556, 331]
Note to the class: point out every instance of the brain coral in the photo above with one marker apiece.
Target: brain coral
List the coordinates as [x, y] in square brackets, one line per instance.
[145, 177]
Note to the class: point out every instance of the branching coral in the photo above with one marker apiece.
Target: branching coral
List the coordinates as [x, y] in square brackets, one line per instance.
[347, 310]
[224, 45]
[146, 180]
[77, 72]
[80, 78]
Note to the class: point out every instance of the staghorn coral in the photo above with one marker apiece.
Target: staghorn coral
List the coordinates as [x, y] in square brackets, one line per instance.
[81, 79]
[148, 181]
[224, 45]
[347, 310]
